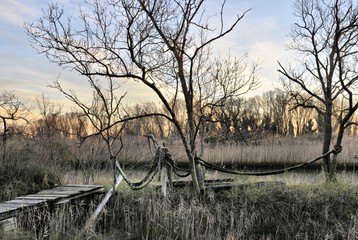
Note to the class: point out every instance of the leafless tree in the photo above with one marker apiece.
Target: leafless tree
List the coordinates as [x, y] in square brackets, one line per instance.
[165, 45]
[155, 125]
[46, 126]
[275, 108]
[326, 37]
[11, 110]
[103, 113]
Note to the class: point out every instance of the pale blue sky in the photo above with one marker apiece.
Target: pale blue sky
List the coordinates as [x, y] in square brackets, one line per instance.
[262, 34]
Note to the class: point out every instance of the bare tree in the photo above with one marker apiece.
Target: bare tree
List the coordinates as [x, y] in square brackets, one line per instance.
[326, 36]
[165, 45]
[104, 115]
[47, 128]
[275, 107]
[11, 110]
[155, 125]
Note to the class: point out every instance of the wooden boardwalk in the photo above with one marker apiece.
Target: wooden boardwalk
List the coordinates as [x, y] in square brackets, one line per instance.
[49, 197]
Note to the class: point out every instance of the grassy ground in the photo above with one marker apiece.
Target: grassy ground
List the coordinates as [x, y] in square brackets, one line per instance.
[292, 212]
[266, 212]
[306, 208]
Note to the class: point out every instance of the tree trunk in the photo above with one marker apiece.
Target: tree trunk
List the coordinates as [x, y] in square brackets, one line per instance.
[197, 177]
[333, 163]
[194, 176]
[327, 167]
[4, 141]
[201, 177]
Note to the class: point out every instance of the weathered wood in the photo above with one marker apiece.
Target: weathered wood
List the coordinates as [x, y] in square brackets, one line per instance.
[17, 204]
[164, 181]
[26, 202]
[184, 183]
[10, 208]
[54, 196]
[228, 183]
[100, 207]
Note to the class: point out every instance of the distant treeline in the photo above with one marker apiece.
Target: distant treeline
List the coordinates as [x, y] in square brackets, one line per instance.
[242, 120]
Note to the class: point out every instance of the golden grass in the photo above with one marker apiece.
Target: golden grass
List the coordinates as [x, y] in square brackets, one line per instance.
[282, 151]
[275, 150]
[278, 150]
[234, 214]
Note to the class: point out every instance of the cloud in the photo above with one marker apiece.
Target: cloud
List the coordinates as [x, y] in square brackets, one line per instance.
[261, 33]
[15, 12]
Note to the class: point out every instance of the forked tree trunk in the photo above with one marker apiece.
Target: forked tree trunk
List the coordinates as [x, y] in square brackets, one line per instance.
[194, 176]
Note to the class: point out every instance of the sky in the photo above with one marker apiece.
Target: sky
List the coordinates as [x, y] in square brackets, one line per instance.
[262, 34]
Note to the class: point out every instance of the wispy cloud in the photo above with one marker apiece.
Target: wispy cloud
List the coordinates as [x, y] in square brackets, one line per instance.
[262, 34]
[15, 12]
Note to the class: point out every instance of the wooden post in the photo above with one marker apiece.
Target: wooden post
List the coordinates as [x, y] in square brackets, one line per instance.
[164, 180]
[100, 207]
[170, 179]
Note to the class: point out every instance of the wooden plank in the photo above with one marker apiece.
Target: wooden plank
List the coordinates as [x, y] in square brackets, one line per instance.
[100, 207]
[77, 188]
[72, 191]
[84, 186]
[60, 190]
[27, 201]
[8, 210]
[219, 187]
[10, 205]
[219, 180]
[15, 205]
[23, 204]
[80, 195]
[56, 196]
[60, 193]
[39, 197]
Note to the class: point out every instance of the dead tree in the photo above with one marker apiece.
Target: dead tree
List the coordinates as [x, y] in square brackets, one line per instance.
[326, 38]
[11, 110]
[165, 45]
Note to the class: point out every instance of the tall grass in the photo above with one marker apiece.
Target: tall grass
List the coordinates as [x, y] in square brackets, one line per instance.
[293, 212]
[91, 157]
[281, 151]
[308, 210]
[24, 173]
[251, 212]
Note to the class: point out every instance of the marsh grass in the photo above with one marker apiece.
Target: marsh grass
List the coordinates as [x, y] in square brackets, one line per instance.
[292, 212]
[19, 180]
[251, 212]
[305, 209]
[284, 150]
[302, 209]
[60, 221]
[271, 152]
